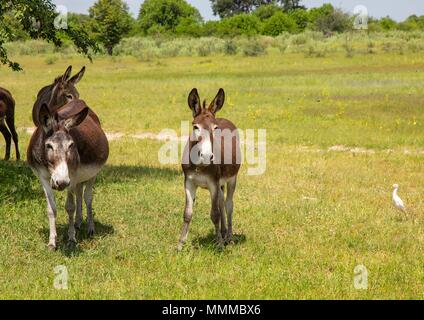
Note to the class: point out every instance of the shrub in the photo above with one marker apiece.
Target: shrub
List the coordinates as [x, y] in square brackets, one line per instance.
[265, 12]
[166, 15]
[51, 60]
[301, 17]
[278, 23]
[188, 27]
[242, 24]
[210, 28]
[281, 42]
[299, 39]
[336, 21]
[253, 48]
[387, 23]
[230, 47]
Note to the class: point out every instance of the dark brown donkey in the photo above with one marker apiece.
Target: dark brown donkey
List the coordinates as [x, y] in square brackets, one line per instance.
[211, 160]
[57, 94]
[7, 116]
[68, 150]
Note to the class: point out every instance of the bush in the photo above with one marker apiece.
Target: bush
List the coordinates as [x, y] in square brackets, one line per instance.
[265, 12]
[230, 47]
[299, 39]
[51, 60]
[210, 28]
[166, 15]
[188, 27]
[281, 42]
[253, 48]
[242, 24]
[279, 23]
[388, 24]
[337, 21]
[301, 18]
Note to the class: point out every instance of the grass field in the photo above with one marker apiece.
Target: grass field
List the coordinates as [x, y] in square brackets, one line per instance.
[340, 132]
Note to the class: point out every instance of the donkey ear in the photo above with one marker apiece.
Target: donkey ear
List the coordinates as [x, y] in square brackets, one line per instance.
[67, 74]
[77, 78]
[76, 119]
[45, 118]
[218, 102]
[194, 102]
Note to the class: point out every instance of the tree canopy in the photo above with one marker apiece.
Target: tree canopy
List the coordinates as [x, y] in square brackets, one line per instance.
[166, 15]
[227, 8]
[111, 21]
[38, 19]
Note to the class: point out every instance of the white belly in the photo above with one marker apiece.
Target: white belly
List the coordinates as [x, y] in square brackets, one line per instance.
[84, 173]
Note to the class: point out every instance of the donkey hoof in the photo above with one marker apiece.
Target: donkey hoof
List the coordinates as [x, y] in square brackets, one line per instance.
[77, 226]
[90, 233]
[51, 247]
[6, 158]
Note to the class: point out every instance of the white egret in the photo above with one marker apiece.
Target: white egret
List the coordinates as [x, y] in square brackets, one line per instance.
[397, 201]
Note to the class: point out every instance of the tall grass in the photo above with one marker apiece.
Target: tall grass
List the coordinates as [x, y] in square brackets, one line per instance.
[311, 44]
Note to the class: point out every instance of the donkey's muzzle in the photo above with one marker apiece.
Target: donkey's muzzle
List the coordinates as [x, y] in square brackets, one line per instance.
[60, 185]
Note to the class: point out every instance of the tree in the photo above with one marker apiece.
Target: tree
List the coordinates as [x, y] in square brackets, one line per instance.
[301, 17]
[228, 8]
[279, 23]
[111, 21]
[166, 15]
[241, 24]
[388, 23]
[267, 11]
[289, 5]
[336, 21]
[38, 19]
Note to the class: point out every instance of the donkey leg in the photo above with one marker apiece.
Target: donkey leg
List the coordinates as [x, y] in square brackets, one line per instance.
[222, 210]
[231, 187]
[190, 191]
[11, 124]
[88, 197]
[70, 208]
[51, 212]
[78, 194]
[7, 137]
[216, 212]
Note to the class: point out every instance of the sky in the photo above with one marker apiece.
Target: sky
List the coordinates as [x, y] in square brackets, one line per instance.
[398, 10]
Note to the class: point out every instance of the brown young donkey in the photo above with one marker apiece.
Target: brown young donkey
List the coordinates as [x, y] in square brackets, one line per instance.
[211, 160]
[67, 150]
[57, 94]
[7, 116]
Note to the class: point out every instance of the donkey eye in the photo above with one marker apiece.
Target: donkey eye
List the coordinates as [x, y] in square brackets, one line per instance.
[71, 145]
[49, 146]
[195, 127]
[215, 127]
[69, 96]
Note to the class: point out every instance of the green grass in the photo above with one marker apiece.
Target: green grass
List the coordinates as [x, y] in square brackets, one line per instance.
[302, 227]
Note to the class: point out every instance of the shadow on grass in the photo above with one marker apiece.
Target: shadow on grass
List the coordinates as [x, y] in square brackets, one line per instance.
[17, 182]
[82, 236]
[119, 174]
[209, 242]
